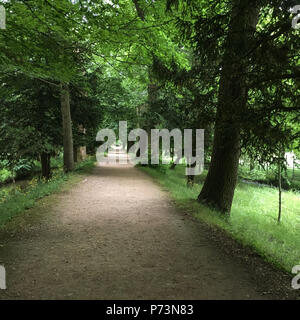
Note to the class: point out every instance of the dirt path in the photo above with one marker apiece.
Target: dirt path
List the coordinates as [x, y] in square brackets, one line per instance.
[116, 235]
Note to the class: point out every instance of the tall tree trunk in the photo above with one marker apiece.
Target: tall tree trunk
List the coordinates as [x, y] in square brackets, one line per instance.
[67, 128]
[45, 162]
[220, 183]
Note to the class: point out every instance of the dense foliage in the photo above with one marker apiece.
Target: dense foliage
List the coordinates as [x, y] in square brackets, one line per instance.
[232, 67]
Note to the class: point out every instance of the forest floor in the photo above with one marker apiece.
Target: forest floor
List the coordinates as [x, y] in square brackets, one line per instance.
[117, 235]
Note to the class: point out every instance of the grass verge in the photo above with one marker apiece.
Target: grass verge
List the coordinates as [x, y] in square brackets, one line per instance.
[14, 200]
[253, 217]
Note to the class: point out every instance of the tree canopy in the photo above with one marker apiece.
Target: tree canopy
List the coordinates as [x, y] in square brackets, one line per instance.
[232, 67]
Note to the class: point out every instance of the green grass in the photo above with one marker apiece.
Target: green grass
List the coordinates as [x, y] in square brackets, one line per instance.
[253, 220]
[14, 199]
[290, 181]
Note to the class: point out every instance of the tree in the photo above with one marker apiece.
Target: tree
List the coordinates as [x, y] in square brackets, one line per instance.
[53, 40]
[252, 54]
[220, 183]
[29, 111]
[31, 117]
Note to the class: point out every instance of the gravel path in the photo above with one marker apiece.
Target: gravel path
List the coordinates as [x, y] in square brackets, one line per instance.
[117, 235]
